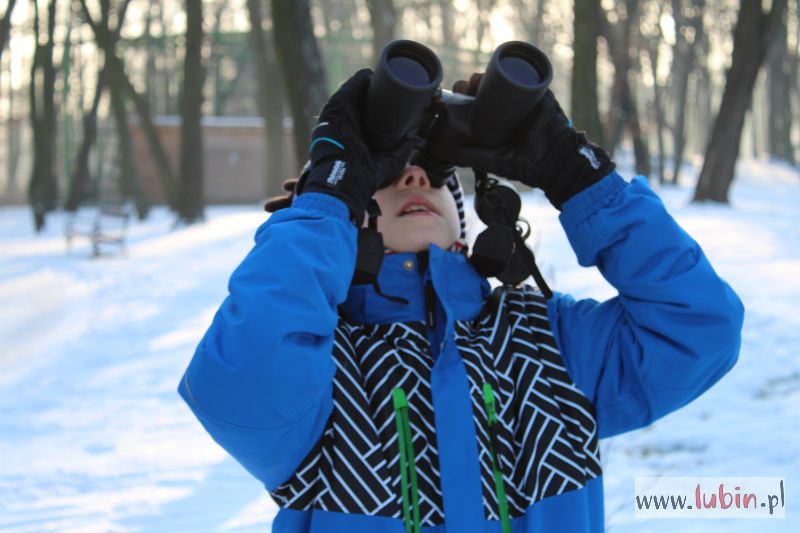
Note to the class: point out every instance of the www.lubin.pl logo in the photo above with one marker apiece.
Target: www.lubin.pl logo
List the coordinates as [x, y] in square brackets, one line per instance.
[709, 497]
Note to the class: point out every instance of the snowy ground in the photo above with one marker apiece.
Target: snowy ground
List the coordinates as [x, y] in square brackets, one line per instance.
[93, 436]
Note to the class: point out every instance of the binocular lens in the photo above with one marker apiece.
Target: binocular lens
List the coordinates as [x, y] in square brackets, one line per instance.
[409, 71]
[404, 83]
[520, 71]
[515, 80]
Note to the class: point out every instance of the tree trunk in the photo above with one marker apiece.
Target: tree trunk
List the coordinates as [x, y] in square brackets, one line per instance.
[301, 65]
[483, 22]
[703, 115]
[128, 181]
[652, 51]
[753, 35]
[448, 35]
[150, 48]
[270, 102]
[191, 199]
[167, 64]
[641, 151]
[214, 61]
[584, 109]
[617, 37]
[623, 112]
[779, 82]
[80, 183]
[5, 26]
[449, 48]
[383, 19]
[529, 20]
[684, 54]
[12, 140]
[43, 186]
[103, 37]
[276, 132]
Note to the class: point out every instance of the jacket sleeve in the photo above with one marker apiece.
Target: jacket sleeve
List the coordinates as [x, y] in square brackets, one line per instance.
[673, 330]
[260, 380]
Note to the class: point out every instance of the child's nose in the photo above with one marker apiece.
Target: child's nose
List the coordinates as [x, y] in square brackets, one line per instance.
[414, 177]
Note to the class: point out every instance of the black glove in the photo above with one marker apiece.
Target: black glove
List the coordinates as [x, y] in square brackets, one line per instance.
[341, 163]
[546, 153]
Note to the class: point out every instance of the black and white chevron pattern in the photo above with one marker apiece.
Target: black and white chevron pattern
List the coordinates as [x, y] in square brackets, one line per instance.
[548, 440]
[547, 435]
[356, 467]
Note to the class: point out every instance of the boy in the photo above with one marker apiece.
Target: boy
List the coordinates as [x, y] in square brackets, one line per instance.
[455, 409]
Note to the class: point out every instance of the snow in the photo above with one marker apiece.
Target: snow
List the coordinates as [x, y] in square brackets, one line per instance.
[93, 436]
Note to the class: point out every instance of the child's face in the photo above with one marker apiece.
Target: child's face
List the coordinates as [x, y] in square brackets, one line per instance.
[405, 231]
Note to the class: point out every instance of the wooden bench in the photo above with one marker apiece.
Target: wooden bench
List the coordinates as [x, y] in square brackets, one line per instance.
[102, 224]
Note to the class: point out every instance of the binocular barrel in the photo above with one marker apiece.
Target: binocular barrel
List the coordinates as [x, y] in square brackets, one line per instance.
[516, 78]
[404, 83]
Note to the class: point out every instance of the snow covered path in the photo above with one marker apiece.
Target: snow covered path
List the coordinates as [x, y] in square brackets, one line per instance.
[93, 436]
[92, 433]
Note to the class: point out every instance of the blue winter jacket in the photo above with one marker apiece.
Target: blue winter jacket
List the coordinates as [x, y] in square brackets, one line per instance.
[265, 385]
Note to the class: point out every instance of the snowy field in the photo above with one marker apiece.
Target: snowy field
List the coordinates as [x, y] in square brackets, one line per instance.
[93, 435]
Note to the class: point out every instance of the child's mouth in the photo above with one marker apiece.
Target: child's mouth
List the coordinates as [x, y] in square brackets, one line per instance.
[418, 214]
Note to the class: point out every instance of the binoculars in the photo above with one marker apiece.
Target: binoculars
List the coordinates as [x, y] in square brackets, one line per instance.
[406, 84]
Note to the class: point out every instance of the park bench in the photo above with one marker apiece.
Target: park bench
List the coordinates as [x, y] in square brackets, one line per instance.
[103, 224]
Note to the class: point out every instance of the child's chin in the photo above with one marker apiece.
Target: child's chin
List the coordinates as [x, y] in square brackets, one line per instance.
[414, 246]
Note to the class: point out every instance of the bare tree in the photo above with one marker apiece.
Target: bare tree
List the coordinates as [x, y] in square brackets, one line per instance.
[484, 10]
[43, 186]
[623, 112]
[449, 41]
[383, 18]
[529, 18]
[223, 91]
[339, 16]
[5, 26]
[755, 32]
[301, 65]
[270, 101]
[584, 112]
[190, 184]
[103, 36]
[702, 114]
[688, 29]
[13, 144]
[651, 43]
[128, 181]
[79, 184]
[779, 82]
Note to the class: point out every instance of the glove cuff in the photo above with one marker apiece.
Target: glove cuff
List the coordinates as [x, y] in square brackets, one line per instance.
[574, 165]
[327, 177]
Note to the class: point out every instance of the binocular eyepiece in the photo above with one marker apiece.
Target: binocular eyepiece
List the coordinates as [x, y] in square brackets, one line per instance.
[406, 84]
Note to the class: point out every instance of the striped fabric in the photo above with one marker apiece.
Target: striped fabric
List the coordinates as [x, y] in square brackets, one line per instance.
[454, 185]
[547, 435]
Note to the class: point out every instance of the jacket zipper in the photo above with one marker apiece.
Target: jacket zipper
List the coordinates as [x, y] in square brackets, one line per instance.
[408, 470]
[430, 304]
[499, 485]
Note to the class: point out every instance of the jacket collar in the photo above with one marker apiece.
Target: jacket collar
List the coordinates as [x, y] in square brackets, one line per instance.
[460, 289]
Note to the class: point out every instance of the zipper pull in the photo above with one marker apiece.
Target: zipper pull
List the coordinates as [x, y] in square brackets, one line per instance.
[491, 416]
[408, 469]
[399, 399]
[488, 400]
[430, 304]
[499, 483]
